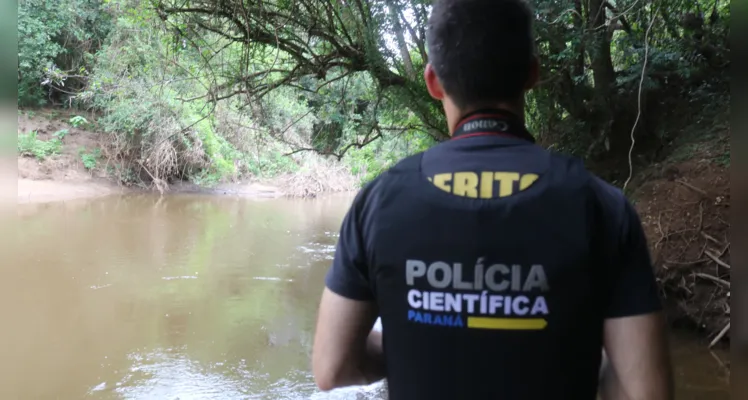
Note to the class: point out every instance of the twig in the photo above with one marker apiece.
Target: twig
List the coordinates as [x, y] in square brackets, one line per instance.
[701, 260]
[703, 249]
[703, 309]
[639, 112]
[156, 181]
[713, 278]
[716, 259]
[690, 186]
[720, 335]
[662, 232]
[722, 253]
[709, 237]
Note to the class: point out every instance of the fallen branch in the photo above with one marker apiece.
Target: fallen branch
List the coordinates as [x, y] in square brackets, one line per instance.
[713, 278]
[720, 335]
[722, 253]
[690, 186]
[699, 261]
[712, 238]
[156, 181]
[716, 259]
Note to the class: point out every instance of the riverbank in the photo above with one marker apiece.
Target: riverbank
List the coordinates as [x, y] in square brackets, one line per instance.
[31, 191]
[64, 156]
[53, 189]
[684, 204]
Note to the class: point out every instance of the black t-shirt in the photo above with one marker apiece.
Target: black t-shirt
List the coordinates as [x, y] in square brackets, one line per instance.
[493, 263]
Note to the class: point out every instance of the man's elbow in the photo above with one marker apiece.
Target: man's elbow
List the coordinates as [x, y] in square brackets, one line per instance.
[324, 383]
[326, 376]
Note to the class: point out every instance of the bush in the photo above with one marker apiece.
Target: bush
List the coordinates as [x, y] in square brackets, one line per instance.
[30, 145]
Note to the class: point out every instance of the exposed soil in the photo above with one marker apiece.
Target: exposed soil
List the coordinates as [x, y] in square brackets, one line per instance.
[67, 165]
[685, 207]
[61, 176]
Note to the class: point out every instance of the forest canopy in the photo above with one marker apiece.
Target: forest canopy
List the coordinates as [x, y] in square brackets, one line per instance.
[203, 89]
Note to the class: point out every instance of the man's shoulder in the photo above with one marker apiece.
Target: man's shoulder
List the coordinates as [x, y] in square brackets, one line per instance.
[371, 193]
[615, 210]
[610, 196]
[406, 165]
[606, 197]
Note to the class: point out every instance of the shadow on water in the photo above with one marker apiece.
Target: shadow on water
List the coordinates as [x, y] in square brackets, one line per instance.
[188, 297]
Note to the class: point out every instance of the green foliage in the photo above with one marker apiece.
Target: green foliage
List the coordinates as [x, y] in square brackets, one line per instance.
[56, 41]
[78, 121]
[369, 162]
[589, 99]
[724, 159]
[38, 25]
[89, 160]
[60, 134]
[30, 145]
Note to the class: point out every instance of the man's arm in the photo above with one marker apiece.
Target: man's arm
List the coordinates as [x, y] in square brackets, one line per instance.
[346, 351]
[635, 335]
[639, 362]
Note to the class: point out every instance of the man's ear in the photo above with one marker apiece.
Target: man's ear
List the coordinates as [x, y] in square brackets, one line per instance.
[534, 76]
[432, 83]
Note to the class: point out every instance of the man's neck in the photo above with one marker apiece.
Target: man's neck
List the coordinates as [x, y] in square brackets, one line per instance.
[454, 118]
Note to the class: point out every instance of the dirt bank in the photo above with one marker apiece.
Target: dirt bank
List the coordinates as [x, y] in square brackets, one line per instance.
[79, 166]
[60, 175]
[684, 205]
[64, 174]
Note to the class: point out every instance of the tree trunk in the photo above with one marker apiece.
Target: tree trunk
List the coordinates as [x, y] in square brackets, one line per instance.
[603, 74]
[401, 44]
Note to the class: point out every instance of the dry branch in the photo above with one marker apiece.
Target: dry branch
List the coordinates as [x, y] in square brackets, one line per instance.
[690, 186]
[710, 237]
[713, 279]
[716, 259]
[720, 335]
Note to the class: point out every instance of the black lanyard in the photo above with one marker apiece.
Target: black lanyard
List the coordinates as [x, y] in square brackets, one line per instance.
[491, 123]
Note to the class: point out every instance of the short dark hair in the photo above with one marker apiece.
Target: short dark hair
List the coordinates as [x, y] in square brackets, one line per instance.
[481, 50]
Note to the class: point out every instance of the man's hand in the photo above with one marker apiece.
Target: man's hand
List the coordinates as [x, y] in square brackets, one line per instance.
[639, 360]
[346, 351]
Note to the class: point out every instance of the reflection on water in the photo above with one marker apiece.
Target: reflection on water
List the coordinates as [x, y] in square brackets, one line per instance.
[186, 297]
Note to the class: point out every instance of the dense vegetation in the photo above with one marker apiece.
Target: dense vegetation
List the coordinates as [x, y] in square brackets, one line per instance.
[215, 90]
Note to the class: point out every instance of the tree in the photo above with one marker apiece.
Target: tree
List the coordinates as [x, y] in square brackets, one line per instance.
[326, 40]
[593, 56]
[56, 41]
[591, 52]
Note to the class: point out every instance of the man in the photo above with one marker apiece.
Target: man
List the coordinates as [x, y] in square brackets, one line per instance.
[499, 269]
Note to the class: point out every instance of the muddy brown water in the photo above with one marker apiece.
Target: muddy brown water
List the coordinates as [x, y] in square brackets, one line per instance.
[188, 297]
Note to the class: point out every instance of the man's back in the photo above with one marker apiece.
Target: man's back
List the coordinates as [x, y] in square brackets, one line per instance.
[480, 298]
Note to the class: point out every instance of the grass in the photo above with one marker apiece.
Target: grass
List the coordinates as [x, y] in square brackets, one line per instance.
[30, 145]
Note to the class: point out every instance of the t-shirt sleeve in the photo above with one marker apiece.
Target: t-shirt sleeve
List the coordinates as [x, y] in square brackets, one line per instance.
[632, 285]
[349, 274]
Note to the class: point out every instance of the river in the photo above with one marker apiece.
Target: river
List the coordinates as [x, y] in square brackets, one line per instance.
[188, 297]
